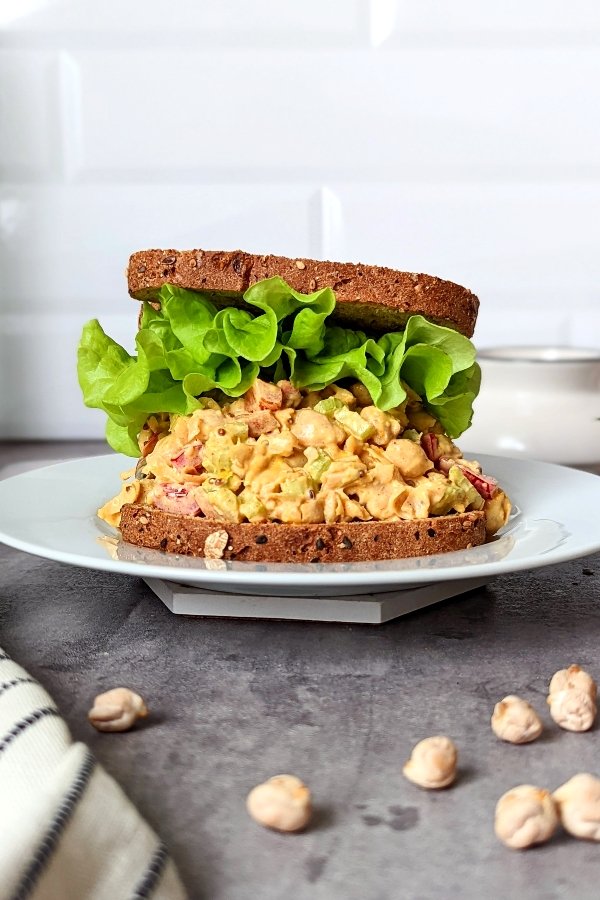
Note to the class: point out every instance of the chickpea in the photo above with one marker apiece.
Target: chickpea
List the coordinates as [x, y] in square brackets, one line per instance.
[117, 710]
[516, 721]
[313, 429]
[340, 393]
[497, 511]
[386, 427]
[525, 815]
[573, 677]
[409, 457]
[361, 393]
[421, 420]
[283, 803]
[572, 699]
[432, 763]
[578, 802]
[572, 709]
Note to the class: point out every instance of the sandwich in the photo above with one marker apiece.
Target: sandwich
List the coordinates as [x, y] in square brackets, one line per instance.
[292, 410]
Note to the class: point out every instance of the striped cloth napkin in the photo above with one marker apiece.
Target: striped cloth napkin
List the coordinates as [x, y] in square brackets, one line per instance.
[67, 830]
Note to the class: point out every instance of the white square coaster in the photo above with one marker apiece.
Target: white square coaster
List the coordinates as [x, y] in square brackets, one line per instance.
[374, 609]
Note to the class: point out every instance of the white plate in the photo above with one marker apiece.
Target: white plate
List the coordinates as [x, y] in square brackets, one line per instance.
[50, 512]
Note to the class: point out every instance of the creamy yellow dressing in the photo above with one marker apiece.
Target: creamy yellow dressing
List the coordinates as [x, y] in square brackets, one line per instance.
[281, 455]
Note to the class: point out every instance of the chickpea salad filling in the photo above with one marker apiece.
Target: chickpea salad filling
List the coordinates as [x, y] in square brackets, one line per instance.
[283, 454]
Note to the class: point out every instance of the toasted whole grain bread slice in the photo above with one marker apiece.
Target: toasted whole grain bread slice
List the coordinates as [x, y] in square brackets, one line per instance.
[368, 297]
[147, 526]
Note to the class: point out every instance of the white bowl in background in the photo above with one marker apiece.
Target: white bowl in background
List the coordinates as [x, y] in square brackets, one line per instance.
[540, 402]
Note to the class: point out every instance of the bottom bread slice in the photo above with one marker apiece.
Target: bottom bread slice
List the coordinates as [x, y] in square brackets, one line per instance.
[147, 526]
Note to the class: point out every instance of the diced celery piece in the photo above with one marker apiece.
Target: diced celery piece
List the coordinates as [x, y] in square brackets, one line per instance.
[472, 497]
[354, 423]
[217, 453]
[237, 431]
[451, 495]
[207, 403]
[411, 435]
[251, 507]
[329, 406]
[318, 466]
[225, 502]
[215, 460]
[298, 485]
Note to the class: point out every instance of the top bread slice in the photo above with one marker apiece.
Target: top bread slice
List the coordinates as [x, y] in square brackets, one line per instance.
[368, 297]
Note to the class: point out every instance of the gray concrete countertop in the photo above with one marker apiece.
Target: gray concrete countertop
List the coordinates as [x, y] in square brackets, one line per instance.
[234, 702]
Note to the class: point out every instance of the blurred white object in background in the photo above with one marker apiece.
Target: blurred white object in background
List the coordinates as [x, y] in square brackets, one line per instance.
[540, 402]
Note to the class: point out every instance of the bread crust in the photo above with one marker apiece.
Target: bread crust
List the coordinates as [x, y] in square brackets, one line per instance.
[147, 526]
[368, 297]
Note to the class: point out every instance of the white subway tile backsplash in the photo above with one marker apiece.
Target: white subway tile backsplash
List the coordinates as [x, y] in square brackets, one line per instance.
[529, 244]
[289, 114]
[311, 23]
[584, 326]
[66, 247]
[38, 361]
[394, 22]
[511, 324]
[29, 108]
[237, 22]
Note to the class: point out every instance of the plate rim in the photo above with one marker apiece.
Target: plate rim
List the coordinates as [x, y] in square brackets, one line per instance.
[382, 579]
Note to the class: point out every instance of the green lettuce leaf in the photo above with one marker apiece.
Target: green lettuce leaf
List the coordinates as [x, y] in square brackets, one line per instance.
[188, 347]
[100, 363]
[123, 438]
[454, 408]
